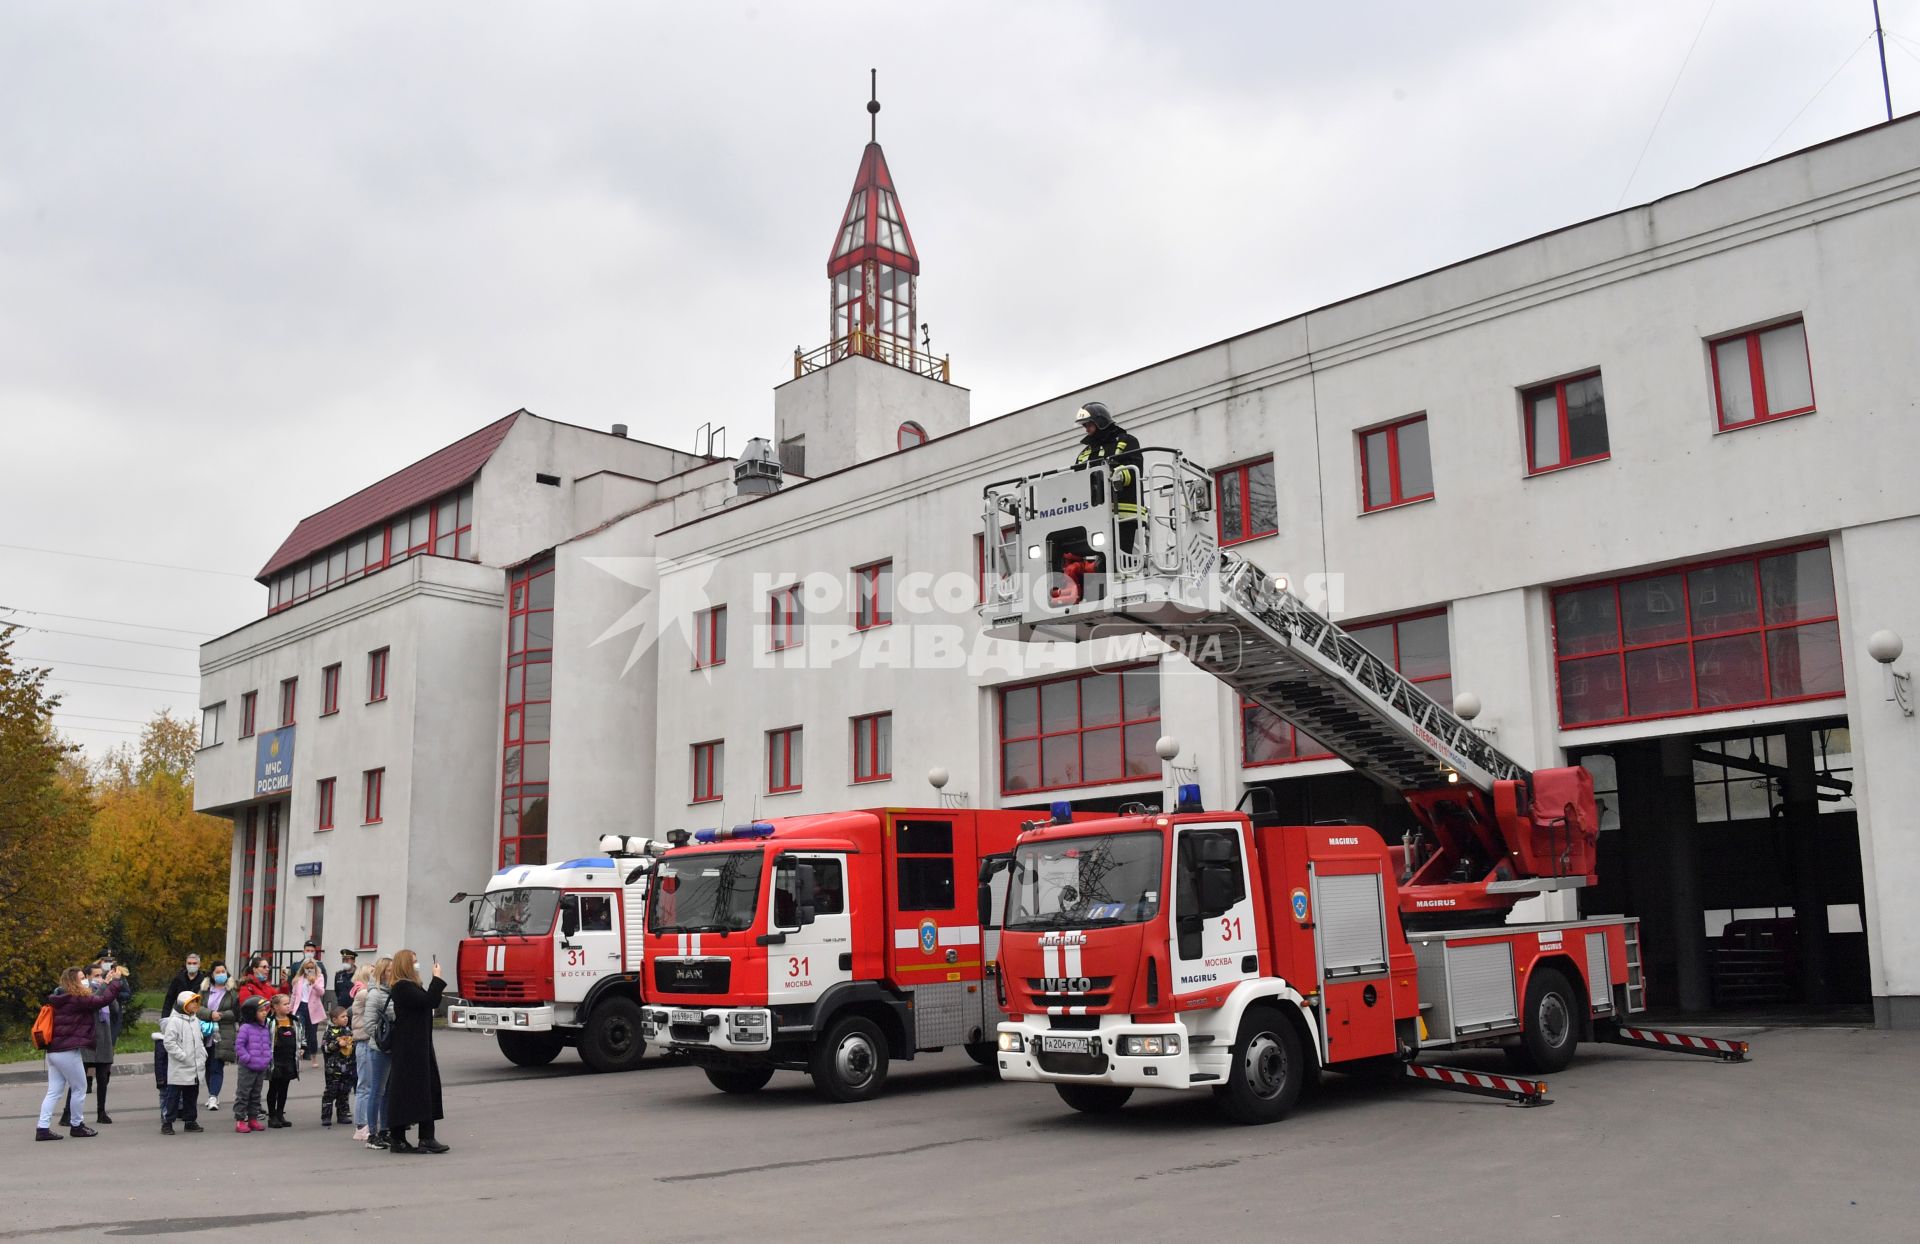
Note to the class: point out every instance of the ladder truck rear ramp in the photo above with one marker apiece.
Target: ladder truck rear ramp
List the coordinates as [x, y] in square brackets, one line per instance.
[1218, 949]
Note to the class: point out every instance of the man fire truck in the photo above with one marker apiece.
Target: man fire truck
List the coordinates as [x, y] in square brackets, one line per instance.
[1226, 951]
[553, 957]
[831, 944]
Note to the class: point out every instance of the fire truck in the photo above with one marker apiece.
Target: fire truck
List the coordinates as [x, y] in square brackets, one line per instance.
[832, 944]
[1223, 950]
[553, 956]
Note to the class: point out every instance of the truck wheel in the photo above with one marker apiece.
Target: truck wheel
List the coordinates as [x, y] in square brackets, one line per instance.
[530, 1049]
[739, 1079]
[851, 1063]
[986, 1053]
[1267, 1072]
[1093, 1098]
[1550, 1024]
[612, 1041]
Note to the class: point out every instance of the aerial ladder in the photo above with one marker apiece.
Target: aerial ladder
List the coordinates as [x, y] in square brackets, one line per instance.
[1063, 564]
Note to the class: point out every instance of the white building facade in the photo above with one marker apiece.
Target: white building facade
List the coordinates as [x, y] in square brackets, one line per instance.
[1639, 485]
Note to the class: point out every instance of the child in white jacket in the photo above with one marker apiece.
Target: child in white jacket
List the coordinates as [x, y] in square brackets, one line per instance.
[186, 1047]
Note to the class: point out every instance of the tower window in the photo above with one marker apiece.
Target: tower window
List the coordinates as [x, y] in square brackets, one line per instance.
[911, 434]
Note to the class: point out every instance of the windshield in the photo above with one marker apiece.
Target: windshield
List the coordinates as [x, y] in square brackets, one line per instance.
[1076, 882]
[522, 911]
[708, 893]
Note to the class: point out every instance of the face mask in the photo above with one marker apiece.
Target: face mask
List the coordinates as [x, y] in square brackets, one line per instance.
[192, 966]
[219, 978]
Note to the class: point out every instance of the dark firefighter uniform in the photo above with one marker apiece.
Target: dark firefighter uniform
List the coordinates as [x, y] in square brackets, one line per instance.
[1108, 442]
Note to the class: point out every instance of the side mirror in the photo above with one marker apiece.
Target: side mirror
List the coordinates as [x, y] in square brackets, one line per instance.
[805, 914]
[986, 901]
[569, 920]
[1216, 890]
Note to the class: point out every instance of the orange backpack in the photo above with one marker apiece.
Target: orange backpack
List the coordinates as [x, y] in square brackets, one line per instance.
[43, 1028]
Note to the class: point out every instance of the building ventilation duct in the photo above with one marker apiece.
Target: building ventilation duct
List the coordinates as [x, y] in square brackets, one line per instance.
[756, 473]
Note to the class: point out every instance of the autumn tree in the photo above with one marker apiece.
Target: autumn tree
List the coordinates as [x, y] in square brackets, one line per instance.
[49, 912]
[160, 867]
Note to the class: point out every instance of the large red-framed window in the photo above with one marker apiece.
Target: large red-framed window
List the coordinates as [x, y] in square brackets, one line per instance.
[1761, 375]
[1081, 730]
[784, 618]
[373, 786]
[368, 920]
[528, 731]
[710, 637]
[873, 595]
[248, 701]
[330, 690]
[377, 675]
[783, 760]
[1733, 633]
[323, 804]
[444, 526]
[1245, 501]
[1566, 423]
[249, 876]
[316, 918]
[1415, 644]
[270, 877]
[289, 699]
[709, 771]
[873, 747]
[1396, 464]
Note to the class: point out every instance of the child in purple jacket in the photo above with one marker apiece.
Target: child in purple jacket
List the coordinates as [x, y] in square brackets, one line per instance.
[253, 1050]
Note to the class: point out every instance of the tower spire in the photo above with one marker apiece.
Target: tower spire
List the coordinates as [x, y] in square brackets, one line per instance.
[873, 108]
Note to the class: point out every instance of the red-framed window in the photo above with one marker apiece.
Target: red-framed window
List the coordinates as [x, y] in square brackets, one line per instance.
[1246, 503]
[453, 525]
[1396, 464]
[710, 637]
[247, 702]
[249, 875]
[323, 816]
[873, 747]
[369, 920]
[373, 787]
[1733, 633]
[528, 730]
[289, 699]
[783, 760]
[785, 624]
[709, 770]
[330, 690]
[873, 595]
[1415, 644]
[1566, 423]
[377, 675]
[316, 918]
[1763, 374]
[270, 877]
[443, 526]
[910, 434]
[1081, 730]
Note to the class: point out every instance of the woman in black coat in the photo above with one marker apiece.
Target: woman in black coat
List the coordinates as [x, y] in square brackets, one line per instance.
[413, 1083]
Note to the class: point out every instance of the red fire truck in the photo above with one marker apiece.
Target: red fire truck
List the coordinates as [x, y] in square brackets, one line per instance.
[553, 958]
[831, 944]
[1227, 951]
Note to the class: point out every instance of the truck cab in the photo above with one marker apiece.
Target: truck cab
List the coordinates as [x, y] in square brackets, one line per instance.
[553, 957]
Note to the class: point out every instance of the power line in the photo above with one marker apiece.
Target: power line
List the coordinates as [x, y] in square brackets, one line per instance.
[119, 669]
[132, 721]
[144, 643]
[1659, 116]
[125, 561]
[125, 686]
[1817, 94]
[77, 617]
[105, 730]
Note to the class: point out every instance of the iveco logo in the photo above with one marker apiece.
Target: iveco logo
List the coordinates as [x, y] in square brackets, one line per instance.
[1065, 984]
[1058, 510]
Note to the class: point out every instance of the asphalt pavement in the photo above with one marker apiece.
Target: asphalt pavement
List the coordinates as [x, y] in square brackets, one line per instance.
[1817, 1137]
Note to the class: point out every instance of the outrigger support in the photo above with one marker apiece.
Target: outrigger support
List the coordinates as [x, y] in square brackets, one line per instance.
[1510, 1089]
[1672, 1042]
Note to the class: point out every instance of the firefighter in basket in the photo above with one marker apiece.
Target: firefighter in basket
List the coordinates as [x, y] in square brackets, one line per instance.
[1104, 441]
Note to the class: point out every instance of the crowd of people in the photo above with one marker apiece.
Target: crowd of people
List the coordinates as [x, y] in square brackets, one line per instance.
[367, 1031]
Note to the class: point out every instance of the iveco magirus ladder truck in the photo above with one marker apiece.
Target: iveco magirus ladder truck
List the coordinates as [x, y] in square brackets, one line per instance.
[1198, 948]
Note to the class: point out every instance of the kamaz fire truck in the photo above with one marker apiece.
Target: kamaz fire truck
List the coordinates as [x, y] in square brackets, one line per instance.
[831, 944]
[1222, 950]
[553, 956]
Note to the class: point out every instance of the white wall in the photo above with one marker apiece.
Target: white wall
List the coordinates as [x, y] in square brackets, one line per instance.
[851, 412]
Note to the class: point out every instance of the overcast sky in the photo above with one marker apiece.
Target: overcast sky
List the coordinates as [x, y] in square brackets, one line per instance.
[255, 256]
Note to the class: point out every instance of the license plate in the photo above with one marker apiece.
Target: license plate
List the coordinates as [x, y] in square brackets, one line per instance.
[688, 1017]
[486, 1019]
[1070, 1045]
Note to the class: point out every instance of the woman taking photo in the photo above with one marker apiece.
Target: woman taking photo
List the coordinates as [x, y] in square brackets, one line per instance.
[413, 1084]
[73, 1030]
[310, 1008]
[222, 1008]
[99, 1056]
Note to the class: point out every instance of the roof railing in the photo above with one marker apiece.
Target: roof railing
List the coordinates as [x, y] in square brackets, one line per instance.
[879, 347]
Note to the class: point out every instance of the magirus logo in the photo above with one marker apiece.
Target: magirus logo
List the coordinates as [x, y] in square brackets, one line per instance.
[1059, 511]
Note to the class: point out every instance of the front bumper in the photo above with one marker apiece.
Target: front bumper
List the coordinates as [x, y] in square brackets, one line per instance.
[697, 1030]
[1099, 1059]
[479, 1017]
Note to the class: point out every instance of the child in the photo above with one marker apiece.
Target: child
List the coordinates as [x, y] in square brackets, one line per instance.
[186, 1049]
[338, 1049]
[253, 1051]
[160, 1078]
[286, 1059]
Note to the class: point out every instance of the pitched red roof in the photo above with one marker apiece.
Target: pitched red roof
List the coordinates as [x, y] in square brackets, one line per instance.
[874, 225]
[438, 472]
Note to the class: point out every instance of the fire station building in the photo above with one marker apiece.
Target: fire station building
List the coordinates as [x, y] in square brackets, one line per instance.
[1632, 494]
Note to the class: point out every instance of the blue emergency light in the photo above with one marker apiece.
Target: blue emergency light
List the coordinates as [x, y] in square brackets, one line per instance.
[1189, 798]
[759, 829]
[1062, 812]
